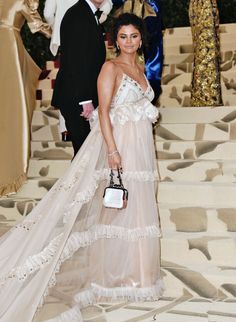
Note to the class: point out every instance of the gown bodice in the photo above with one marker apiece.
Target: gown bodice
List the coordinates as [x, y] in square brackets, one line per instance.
[131, 103]
[130, 91]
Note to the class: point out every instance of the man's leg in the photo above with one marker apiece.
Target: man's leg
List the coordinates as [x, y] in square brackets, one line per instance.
[77, 125]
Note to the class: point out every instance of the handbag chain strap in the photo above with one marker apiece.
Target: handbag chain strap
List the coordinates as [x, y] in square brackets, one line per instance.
[118, 177]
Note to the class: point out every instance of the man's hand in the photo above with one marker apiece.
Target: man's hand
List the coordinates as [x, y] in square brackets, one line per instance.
[88, 108]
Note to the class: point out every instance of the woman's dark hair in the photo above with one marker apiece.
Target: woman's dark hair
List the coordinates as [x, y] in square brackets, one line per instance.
[126, 19]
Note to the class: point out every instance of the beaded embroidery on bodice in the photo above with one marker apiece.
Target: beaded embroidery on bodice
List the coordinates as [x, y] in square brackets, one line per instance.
[131, 103]
[131, 91]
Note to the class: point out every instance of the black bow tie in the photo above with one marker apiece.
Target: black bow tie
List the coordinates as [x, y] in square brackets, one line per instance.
[98, 13]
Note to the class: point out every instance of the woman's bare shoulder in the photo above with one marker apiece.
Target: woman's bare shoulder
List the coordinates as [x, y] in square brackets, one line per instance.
[109, 67]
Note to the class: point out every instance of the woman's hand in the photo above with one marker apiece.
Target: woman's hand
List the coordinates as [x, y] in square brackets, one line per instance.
[114, 160]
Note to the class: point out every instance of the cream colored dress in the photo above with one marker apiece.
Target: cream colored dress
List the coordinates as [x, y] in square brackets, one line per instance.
[18, 80]
[71, 251]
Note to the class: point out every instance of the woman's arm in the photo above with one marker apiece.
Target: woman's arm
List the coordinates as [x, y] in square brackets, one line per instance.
[106, 86]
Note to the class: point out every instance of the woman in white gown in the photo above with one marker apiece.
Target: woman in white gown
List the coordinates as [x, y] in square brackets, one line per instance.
[71, 251]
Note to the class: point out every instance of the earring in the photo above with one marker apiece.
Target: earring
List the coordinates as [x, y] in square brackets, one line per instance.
[140, 45]
[117, 46]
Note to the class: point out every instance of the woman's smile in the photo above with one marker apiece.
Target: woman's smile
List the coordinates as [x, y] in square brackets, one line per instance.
[128, 38]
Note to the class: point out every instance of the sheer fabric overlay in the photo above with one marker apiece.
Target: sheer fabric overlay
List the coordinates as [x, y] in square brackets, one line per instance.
[72, 250]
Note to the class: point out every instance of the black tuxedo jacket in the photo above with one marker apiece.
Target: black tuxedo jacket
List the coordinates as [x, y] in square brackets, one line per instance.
[82, 55]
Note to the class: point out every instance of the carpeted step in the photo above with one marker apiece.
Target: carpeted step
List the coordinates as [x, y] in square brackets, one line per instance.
[197, 218]
[46, 83]
[197, 193]
[185, 78]
[35, 188]
[169, 170]
[187, 310]
[47, 168]
[45, 96]
[197, 250]
[196, 150]
[223, 311]
[188, 48]
[178, 101]
[45, 133]
[45, 117]
[187, 39]
[39, 106]
[51, 150]
[195, 132]
[13, 209]
[187, 67]
[225, 114]
[208, 281]
[163, 310]
[180, 91]
[166, 309]
[188, 58]
[163, 132]
[197, 170]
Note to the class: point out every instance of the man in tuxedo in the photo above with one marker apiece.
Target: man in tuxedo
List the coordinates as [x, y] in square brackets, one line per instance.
[82, 56]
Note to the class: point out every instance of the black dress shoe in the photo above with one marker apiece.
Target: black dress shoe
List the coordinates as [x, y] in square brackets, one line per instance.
[65, 136]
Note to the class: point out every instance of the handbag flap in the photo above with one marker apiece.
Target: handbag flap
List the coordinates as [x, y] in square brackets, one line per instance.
[113, 197]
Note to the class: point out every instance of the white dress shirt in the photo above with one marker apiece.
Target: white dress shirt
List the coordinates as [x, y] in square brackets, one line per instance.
[54, 11]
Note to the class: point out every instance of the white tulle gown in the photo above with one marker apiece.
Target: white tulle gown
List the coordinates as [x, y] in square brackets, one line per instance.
[71, 251]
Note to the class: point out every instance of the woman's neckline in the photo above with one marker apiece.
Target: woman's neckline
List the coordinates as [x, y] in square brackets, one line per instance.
[131, 78]
[135, 81]
[124, 75]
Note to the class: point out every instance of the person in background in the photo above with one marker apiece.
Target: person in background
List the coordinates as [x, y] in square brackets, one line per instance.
[54, 11]
[206, 83]
[18, 81]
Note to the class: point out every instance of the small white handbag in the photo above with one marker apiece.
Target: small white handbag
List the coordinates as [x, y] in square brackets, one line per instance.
[115, 195]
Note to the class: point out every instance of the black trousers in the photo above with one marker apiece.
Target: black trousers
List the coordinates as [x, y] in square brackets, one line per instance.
[77, 125]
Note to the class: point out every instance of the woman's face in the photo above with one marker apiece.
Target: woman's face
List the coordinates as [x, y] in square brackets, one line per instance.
[128, 39]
